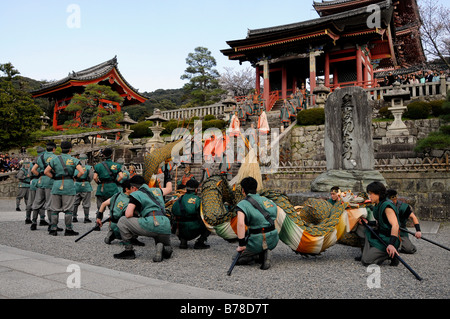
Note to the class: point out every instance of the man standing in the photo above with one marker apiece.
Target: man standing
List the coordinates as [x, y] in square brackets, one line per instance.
[83, 188]
[257, 213]
[61, 169]
[188, 224]
[107, 174]
[24, 185]
[43, 199]
[145, 216]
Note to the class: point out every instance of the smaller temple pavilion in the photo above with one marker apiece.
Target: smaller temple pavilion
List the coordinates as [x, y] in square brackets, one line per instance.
[342, 46]
[61, 92]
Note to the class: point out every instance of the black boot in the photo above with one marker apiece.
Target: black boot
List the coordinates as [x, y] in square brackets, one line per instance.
[43, 223]
[158, 255]
[53, 232]
[126, 254]
[265, 260]
[136, 242]
[199, 244]
[183, 243]
[70, 232]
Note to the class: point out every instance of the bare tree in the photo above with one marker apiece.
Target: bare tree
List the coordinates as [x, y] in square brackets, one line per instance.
[435, 29]
[240, 82]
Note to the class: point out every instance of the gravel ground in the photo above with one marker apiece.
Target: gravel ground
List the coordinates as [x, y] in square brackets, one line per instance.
[332, 275]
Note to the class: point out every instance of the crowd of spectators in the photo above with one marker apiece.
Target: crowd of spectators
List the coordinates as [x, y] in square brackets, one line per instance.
[414, 77]
[9, 163]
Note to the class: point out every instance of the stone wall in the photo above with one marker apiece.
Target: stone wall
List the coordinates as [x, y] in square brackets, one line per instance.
[307, 142]
[9, 185]
[427, 192]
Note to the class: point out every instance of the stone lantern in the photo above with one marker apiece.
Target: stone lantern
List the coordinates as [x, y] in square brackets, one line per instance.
[44, 121]
[321, 92]
[127, 122]
[396, 96]
[157, 128]
[229, 106]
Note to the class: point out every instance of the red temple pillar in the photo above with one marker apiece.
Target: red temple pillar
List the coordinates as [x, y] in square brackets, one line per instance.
[55, 115]
[312, 74]
[283, 82]
[327, 69]
[359, 72]
[258, 80]
[266, 94]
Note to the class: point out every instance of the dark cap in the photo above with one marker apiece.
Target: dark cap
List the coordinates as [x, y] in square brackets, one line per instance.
[192, 184]
[107, 152]
[66, 145]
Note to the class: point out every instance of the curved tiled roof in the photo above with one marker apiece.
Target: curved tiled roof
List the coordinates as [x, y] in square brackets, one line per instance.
[89, 74]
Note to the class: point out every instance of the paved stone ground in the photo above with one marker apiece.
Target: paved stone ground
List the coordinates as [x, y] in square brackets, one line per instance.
[332, 275]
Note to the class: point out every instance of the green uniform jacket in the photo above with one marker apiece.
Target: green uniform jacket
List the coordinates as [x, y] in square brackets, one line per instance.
[107, 186]
[331, 201]
[117, 206]
[149, 218]
[63, 180]
[188, 222]
[384, 228]
[23, 178]
[404, 211]
[254, 219]
[43, 161]
[83, 183]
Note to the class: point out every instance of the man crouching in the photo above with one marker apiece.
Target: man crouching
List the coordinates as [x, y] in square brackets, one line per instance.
[145, 216]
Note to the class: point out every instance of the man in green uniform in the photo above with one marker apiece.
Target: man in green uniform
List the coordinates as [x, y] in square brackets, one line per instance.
[334, 195]
[145, 216]
[188, 224]
[117, 204]
[83, 188]
[61, 169]
[404, 213]
[107, 174]
[32, 194]
[24, 185]
[258, 213]
[43, 199]
[386, 218]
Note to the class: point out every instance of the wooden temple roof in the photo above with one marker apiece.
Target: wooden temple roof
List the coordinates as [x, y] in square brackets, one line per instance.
[325, 8]
[301, 36]
[106, 73]
[341, 22]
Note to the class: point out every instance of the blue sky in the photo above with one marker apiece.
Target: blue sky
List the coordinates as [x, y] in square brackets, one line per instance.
[150, 38]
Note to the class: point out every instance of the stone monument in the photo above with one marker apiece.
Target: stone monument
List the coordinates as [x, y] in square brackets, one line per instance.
[398, 141]
[156, 141]
[321, 92]
[127, 122]
[348, 142]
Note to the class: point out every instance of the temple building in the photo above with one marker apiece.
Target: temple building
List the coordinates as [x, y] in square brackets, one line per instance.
[61, 92]
[347, 45]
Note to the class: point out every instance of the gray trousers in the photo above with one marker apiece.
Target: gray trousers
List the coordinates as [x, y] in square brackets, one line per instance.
[42, 200]
[370, 255]
[130, 227]
[31, 196]
[100, 200]
[61, 203]
[22, 193]
[407, 246]
[85, 200]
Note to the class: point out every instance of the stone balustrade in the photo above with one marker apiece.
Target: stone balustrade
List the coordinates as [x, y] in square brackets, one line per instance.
[199, 111]
[420, 90]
